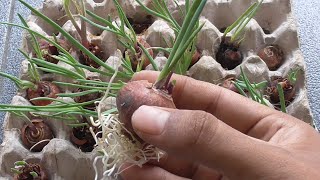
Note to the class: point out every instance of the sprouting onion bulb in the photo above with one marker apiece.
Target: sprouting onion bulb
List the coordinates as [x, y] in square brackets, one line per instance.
[137, 93]
[119, 143]
[229, 55]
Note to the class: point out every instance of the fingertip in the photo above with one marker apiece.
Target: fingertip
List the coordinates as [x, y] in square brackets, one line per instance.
[149, 120]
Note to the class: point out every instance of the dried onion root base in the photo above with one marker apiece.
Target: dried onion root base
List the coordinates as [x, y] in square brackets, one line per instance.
[96, 50]
[288, 89]
[140, 56]
[36, 136]
[43, 89]
[229, 55]
[273, 56]
[27, 169]
[141, 27]
[82, 137]
[48, 50]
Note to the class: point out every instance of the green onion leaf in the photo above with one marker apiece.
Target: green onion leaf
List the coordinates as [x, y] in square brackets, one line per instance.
[20, 163]
[72, 40]
[281, 97]
[34, 174]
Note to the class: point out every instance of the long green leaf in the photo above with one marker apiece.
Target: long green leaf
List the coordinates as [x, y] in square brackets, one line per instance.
[84, 86]
[239, 20]
[245, 21]
[101, 27]
[165, 7]
[79, 70]
[126, 21]
[32, 71]
[72, 40]
[100, 83]
[240, 90]
[57, 68]
[35, 44]
[153, 12]
[21, 84]
[100, 19]
[185, 45]
[186, 31]
[151, 60]
[72, 95]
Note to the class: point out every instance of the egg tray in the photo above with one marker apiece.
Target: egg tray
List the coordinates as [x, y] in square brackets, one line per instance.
[273, 24]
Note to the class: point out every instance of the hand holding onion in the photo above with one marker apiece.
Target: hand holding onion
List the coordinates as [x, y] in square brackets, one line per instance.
[222, 135]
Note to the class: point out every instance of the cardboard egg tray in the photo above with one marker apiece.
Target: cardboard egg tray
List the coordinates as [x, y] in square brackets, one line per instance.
[273, 24]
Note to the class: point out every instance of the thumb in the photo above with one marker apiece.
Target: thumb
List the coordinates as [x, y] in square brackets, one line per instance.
[200, 137]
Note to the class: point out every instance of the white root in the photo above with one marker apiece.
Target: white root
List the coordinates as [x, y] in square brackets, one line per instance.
[119, 149]
[40, 142]
[118, 146]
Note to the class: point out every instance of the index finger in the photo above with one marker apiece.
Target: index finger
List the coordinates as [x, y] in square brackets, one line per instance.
[235, 110]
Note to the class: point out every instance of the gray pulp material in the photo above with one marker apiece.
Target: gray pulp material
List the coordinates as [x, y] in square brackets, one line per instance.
[60, 153]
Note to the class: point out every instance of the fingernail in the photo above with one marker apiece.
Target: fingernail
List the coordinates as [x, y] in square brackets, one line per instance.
[150, 120]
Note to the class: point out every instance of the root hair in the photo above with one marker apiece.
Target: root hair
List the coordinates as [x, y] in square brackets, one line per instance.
[117, 145]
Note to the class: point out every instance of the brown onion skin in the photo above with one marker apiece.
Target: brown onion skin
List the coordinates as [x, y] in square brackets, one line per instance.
[30, 135]
[288, 89]
[31, 167]
[44, 89]
[141, 27]
[144, 43]
[137, 93]
[273, 56]
[229, 55]
[195, 57]
[49, 49]
[82, 138]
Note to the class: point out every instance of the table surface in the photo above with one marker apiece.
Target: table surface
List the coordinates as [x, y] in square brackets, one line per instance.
[306, 12]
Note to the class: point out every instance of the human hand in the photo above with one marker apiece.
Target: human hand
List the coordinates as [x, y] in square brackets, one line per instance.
[223, 135]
